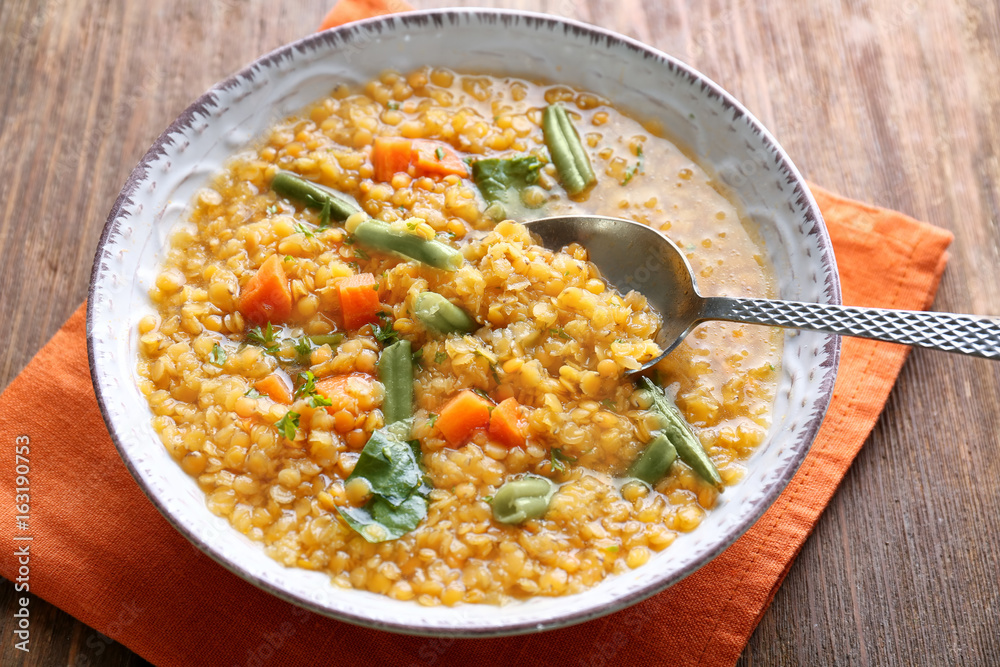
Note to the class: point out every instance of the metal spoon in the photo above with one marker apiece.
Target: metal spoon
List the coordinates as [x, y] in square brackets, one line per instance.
[631, 256]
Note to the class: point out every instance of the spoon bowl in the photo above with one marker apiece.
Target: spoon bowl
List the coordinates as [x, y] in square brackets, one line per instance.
[634, 256]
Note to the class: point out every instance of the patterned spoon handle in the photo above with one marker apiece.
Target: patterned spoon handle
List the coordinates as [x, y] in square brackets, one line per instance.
[963, 334]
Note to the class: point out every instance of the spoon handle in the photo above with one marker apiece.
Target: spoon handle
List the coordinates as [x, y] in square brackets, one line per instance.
[963, 334]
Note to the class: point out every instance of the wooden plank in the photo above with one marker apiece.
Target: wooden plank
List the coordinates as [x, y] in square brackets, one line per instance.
[895, 103]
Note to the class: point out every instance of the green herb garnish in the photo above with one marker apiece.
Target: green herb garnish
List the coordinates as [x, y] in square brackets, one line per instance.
[302, 229]
[635, 169]
[308, 385]
[263, 338]
[318, 401]
[218, 355]
[288, 425]
[558, 331]
[559, 460]
[384, 333]
[440, 357]
[303, 347]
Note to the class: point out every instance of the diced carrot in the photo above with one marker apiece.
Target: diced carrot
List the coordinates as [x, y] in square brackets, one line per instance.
[505, 423]
[391, 155]
[351, 392]
[433, 158]
[461, 415]
[359, 302]
[275, 387]
[267, 297]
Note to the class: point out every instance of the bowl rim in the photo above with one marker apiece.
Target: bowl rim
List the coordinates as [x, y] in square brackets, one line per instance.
[800, 193]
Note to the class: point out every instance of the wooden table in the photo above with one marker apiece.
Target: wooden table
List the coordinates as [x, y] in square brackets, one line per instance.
[896, 103]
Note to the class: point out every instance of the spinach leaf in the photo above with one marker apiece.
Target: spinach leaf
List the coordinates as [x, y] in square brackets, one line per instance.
[388, 464]
[379, 520]
[391, 465]
[501, 180]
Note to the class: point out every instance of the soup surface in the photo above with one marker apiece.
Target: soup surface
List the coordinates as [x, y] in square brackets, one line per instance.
[458, 432]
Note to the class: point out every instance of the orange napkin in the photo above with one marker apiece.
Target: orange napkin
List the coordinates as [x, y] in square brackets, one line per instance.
[101, 551]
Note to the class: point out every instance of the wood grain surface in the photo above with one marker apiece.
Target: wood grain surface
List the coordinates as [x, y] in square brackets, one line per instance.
[894, 102]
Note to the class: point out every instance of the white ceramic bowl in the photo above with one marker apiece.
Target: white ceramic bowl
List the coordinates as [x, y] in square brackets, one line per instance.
[694, 111]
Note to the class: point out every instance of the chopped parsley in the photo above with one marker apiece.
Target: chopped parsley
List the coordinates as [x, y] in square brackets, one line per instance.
[308, 391]
[384, 333]
[557, 331]
[302, 229]
[393, 105]
[218, 355]
[303, 347]
[440, 357]
[635, 169]
[263, 338]
[288, 425]
[308, 385]
[361, 254]
[483, 394]
[318, 401]
[439, 153]
[608, 403]
[418, 358]
[432, 419]
[252, 393]
[272, 209]
[613, 549]
[559, 460]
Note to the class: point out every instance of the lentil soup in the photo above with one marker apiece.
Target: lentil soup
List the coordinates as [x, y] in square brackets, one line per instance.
[369, 367]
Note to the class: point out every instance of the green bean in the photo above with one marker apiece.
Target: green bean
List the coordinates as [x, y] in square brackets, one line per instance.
[313, 195]
[688, 447]
[395, 371]
[333, 340]
[567, 150]
[381, 236]
[521, 499]
[655, 460]
[440, 315]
